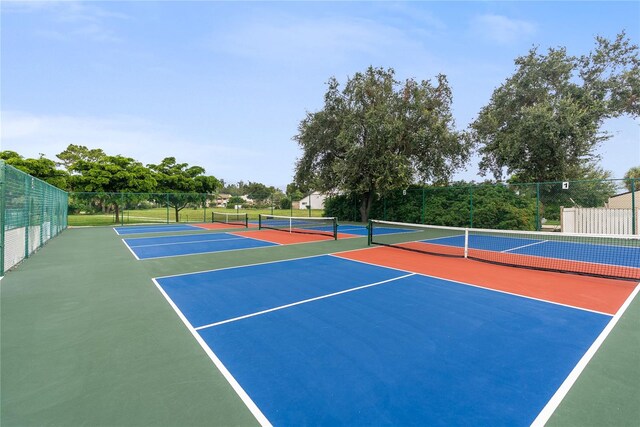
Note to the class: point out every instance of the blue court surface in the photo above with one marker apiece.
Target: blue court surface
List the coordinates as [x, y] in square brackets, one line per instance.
[584, 252]
[165, 228]
[329, 341]
[190, 244]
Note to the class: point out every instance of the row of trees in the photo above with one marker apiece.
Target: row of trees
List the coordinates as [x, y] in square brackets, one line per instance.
[376, 134]
[79, 169]
[83, 170]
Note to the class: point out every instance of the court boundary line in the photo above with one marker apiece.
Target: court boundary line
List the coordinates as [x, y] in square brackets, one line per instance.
[247, 249]
[308, 300]
[130, 250]
[267, 262]
[206, 231]
[242, 394]
[145, 225]
[488, 289]
[523, 246]
[552, 405]
[213, 252]
[184, 243]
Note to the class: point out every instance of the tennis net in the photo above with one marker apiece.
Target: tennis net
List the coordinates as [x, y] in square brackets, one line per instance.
[608, 256]
[241, 219]
[327, 226]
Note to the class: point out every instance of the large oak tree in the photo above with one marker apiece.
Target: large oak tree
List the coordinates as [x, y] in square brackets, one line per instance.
[544, 123]
[378, 134]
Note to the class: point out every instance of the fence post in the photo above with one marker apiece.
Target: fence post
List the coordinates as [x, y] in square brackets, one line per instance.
[42, 213]
[384, 208]
[471, 207]
[633, 206]
[2, 217]
[167, 203]
[204, 205]
[424, 206]
[538, 227]
[28, 217]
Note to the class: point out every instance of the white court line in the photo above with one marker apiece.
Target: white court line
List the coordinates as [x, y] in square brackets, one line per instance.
[523, 246]
[209, 252]
[238, 233]
[282, 307]
[218, 363]
[130, 250]
[481, 287]
[562, 391]
[185, 242]
[272, 262]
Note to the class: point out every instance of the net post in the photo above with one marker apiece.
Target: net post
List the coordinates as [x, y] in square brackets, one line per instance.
[466, 243]
[369, 232]
[246, 220]
[335, 228]
[259, 221]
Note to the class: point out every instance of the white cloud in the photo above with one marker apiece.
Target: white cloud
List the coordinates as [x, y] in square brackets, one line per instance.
[31, 134]
[501, 29]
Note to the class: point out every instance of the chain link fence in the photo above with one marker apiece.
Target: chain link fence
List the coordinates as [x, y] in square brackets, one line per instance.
[592, 206]
[31, 213]
[93, 208]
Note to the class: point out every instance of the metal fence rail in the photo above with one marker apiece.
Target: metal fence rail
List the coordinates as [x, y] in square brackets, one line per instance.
[514, 206]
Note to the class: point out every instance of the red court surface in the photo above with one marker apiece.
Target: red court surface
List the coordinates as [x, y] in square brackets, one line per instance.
[592, 293]
[221, 226]
[286, 238]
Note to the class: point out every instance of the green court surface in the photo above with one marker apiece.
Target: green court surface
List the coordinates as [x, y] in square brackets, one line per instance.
[87, 339]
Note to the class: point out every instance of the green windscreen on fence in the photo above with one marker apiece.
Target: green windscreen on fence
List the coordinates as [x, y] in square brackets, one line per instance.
[31, 213]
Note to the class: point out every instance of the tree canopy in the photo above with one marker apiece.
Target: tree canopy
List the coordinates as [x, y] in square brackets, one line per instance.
[632, 174]
[544, 123]
[186, 184]
[41, 168]
[378, 134]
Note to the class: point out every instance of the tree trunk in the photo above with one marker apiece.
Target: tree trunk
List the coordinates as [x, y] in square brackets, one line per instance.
[365, 205]
[177, 213]
[117, 213]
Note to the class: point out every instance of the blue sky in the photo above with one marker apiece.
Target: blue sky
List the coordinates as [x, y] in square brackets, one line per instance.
[224, 85]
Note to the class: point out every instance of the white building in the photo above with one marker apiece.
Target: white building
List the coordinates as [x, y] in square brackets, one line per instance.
[315, 200]
[624, 200]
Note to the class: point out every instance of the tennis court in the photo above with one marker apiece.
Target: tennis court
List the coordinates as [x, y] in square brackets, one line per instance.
[286, 327]
[192, 244]
[333, 340]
